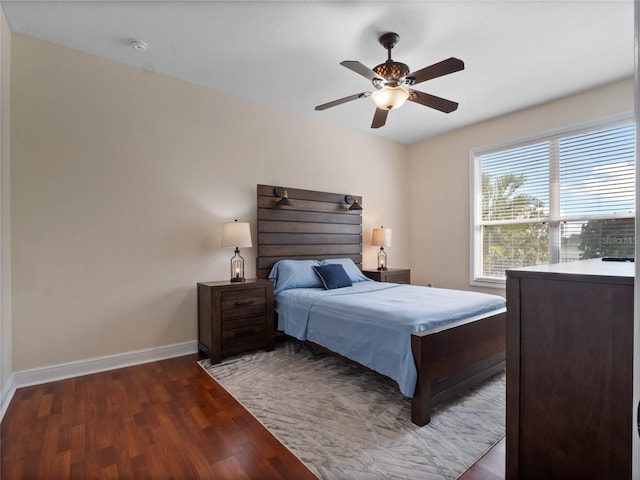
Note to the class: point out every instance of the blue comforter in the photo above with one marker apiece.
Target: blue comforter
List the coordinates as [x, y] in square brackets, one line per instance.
[372, 322]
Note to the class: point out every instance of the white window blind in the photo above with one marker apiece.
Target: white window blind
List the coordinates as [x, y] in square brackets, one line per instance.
[561, 198]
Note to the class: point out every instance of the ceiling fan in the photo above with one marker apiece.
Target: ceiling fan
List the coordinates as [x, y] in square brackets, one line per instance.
[392, 82]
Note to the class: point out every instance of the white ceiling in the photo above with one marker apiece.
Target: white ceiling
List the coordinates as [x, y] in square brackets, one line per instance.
[287, 54]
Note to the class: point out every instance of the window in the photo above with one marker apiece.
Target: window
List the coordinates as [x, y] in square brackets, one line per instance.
[565, 197]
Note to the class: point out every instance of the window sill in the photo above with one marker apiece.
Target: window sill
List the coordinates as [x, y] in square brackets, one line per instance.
[489, 283]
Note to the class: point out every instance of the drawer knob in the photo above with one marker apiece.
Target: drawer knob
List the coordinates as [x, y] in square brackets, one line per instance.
[244, 304]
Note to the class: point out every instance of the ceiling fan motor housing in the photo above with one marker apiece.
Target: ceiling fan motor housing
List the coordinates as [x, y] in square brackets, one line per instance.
[392, 71]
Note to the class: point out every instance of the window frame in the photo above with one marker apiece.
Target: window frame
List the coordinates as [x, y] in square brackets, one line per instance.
[475, 256]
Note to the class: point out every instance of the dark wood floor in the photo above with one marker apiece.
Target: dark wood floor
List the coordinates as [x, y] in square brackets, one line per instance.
[491, 466]
[166, 419]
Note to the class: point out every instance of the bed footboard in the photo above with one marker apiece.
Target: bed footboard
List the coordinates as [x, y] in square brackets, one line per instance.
[455, 358]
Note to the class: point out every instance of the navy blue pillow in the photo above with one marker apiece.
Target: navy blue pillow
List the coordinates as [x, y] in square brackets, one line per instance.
[332, 276]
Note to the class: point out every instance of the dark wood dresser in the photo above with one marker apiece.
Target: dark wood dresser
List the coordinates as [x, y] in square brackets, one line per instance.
[392, 275]
[234, 317]
[569, 371]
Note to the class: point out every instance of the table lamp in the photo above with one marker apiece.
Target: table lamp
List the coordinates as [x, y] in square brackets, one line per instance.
[236, 234]
[381, 238]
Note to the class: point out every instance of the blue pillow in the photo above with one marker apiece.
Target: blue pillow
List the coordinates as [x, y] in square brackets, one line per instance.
[288, 274]
[333, 276]
[354, 273]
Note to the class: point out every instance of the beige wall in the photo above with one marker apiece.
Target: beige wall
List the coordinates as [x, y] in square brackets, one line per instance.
[6, 367]
[439, 178]
[120, 181]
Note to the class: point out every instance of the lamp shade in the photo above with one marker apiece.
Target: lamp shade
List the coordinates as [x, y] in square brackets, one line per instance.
[236, 234]
[381, 237]
[388, 98]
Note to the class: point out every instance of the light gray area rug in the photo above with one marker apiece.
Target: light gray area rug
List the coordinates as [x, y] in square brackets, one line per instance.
[346, 423]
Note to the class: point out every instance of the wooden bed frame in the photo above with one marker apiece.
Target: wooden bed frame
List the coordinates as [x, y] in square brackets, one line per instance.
[319, 225]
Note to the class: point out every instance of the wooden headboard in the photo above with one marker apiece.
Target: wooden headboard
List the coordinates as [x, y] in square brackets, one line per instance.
[315, 225]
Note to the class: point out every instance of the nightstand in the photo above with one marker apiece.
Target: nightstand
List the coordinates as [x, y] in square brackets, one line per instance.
[234, 317]
[392, 275]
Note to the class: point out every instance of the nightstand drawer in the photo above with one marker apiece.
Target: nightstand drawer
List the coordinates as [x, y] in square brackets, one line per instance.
[241, 322]
[400, 277]
[242, 303]
[244, 338]
[392, 275]
[252, 343]
[244, 334]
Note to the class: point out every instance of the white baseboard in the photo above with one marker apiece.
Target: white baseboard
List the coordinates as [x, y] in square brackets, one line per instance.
[8, 389]
[61, 371]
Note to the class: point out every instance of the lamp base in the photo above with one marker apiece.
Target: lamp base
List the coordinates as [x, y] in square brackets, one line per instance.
[236, 279]
[382, 268]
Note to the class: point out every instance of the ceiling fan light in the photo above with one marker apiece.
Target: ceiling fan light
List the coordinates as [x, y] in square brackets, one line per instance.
[389, 98]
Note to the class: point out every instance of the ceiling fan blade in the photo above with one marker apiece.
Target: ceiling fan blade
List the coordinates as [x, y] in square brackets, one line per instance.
[360, 69]
[379, 118]
[445, 67]
[340, 101]
[442, 104]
